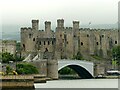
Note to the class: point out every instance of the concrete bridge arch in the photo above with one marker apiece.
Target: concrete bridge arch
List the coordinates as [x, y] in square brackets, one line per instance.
[83, 68]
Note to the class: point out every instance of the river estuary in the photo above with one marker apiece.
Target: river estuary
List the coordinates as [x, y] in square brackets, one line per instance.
[80, 83]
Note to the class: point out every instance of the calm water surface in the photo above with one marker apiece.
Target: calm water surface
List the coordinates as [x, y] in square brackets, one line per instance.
[80, 83]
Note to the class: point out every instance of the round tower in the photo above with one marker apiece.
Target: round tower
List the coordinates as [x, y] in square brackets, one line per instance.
[35, 24]
[48, 29]
[75, 28]
[60, 23]
[52, 69]
[47, 25]
[75, 24]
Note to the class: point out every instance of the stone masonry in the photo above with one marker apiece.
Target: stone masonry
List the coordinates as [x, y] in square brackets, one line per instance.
[8, 46]
[65, 42]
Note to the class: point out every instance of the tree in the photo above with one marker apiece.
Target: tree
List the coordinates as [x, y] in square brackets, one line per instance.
[18, 58]
[25, 68]
[6, 57]
[67, 71]
[116, 53]
[8, 70]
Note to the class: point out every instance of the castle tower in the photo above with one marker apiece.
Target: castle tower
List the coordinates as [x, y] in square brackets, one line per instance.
[75, 37]
[119, 22]
[75, 27]
[52, 69]
[35, 24]
[59, 35]
[48, 28]
[60, 23]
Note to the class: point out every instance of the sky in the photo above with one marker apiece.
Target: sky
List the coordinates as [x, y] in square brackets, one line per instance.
[21, 12]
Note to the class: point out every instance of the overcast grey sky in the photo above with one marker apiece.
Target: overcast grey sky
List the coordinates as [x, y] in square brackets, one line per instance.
[96, 11]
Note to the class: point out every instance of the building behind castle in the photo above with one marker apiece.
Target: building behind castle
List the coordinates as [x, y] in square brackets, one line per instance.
[8, 46]
[66, 42]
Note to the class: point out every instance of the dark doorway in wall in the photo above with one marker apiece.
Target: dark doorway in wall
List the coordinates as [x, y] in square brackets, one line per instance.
[24, 47]
[46, 54]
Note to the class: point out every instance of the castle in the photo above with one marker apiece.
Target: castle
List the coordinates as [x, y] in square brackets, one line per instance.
[66, 42]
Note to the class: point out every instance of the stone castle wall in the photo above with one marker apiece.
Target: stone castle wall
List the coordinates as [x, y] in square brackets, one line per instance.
[65, 42]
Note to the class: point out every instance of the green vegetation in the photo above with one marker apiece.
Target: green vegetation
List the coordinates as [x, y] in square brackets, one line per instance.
[25, 68]
[18, 58]
[8, 69]
[78, 56]
[116, 54]
[6, 57]
[0, 57]
[66, 71]
[18, 48]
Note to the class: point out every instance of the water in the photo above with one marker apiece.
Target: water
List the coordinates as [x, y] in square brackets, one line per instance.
[80, 83]
[84, 84]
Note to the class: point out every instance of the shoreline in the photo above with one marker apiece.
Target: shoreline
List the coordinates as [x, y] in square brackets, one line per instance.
[77, 77]
[17, 81]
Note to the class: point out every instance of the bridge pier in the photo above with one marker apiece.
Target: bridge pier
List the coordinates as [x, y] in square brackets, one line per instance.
[52, 69]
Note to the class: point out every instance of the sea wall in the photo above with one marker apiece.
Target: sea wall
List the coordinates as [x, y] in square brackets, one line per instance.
[17, 81]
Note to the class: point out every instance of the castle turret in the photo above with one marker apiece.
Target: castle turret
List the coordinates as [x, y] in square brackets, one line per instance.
[47, 26]
[76, 25]
[75, 28]
[60, 23]
[48, 29]
[35, 24]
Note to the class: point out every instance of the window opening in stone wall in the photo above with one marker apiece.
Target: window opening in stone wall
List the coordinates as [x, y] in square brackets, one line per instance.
[60, 35]
[87, 35]
[33, 39]
[48, 42]
[67, 42]
[30, 35]
[102, 36]
[74, 36]
[40, 42]
[115, 42]
[44, 42]
[97, 43]
[23, 46]
[52, 42]
[81, 43]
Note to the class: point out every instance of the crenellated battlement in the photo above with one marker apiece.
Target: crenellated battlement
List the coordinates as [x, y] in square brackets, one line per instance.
[69, 40]
[26, 29]
[68, 28]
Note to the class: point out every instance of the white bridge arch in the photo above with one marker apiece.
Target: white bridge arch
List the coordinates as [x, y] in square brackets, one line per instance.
[84, 69]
